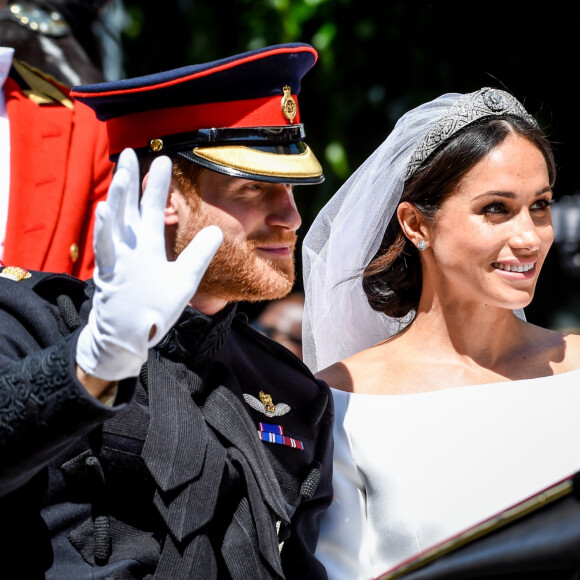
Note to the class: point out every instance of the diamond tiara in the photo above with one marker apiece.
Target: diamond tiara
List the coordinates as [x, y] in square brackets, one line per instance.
[486, 102]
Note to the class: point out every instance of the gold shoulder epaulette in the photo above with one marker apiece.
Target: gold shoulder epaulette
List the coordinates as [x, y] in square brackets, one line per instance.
[43, 88]
[15, 273]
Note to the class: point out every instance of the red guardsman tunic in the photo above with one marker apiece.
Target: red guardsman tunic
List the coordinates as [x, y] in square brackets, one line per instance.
[59, 171]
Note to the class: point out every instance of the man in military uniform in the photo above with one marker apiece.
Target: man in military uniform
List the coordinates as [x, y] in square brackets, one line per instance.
[146, 430]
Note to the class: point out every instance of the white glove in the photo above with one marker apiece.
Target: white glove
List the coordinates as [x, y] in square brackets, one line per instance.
[137, 289]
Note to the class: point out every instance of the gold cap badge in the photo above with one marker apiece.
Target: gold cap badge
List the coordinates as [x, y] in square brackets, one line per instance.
[289, 108]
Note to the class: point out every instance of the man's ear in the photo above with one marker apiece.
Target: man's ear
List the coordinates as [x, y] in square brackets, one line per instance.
[171, 207]
[412, 223]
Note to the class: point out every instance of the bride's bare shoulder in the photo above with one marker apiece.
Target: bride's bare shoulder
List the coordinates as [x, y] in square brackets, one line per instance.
[572, 350]
[352, 374]
[560, 348]
[337, 376]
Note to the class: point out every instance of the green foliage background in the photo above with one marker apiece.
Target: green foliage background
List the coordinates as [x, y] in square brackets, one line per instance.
[377, 59]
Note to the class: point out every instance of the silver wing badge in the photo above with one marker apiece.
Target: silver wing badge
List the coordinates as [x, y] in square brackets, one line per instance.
[265, 405]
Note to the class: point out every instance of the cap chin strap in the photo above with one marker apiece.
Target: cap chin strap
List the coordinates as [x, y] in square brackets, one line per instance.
[257, 136]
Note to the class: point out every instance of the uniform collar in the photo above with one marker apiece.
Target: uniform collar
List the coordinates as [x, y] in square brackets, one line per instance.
[197, 337]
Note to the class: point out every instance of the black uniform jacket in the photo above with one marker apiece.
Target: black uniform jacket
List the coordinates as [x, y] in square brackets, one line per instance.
[214, 463]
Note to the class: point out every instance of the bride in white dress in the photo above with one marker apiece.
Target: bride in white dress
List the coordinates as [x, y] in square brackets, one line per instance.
[450, 407]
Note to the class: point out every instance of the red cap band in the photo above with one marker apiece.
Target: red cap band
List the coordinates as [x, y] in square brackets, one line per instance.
[137, 129]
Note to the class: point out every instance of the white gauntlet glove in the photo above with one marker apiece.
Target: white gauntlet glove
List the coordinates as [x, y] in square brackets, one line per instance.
[139, 293]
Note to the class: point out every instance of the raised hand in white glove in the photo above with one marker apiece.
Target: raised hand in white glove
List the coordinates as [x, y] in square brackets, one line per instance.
[139, 293]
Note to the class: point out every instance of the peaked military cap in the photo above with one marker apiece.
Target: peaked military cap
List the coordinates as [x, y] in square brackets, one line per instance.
[238, 115]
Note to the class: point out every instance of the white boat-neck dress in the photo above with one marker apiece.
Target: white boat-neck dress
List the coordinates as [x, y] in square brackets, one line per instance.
[413, 470]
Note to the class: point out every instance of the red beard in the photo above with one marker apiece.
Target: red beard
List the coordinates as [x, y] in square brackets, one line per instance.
[238, 273]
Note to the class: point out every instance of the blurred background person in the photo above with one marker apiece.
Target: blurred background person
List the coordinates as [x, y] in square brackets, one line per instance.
[74, 41]
[281, 320]
[53, 150]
